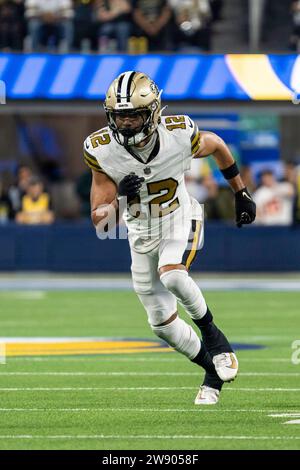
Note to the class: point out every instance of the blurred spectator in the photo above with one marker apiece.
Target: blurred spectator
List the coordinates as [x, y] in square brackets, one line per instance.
[216, 9]
[83, 189]
[36, 207]
[297, 204]
[6, 208]
[11, 25]
[295, 38]
[152, 18]
[193, 18]
[199, 169]
[292, 175]
[274, 201]
[84, 37]
[17, 190]
[50, 23]
[219, 201]
[114, 21]
[247, 177]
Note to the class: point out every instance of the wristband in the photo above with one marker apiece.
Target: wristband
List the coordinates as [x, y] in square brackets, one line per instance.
[230, 172]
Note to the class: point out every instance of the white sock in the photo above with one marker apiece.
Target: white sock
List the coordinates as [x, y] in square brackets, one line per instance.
[180, 336]
[187, 292]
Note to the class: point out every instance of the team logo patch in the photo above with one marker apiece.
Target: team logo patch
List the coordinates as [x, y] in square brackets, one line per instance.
[89, 346]
[154, 88]
[80, 346]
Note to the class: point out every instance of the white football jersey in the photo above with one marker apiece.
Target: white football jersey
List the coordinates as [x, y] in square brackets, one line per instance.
[164, 208]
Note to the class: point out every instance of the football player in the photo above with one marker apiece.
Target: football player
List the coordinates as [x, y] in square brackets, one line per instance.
[141, 157]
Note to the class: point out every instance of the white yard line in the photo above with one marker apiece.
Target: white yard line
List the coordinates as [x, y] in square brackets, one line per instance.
[269, 374]
[79, 389]
[196, 409]
[114, 358]
[260, 359]
[147, 437]
[267, 389]
[143, 374]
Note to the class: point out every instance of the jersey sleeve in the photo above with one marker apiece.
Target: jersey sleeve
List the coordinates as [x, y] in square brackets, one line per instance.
[89, 156]
[195, 137]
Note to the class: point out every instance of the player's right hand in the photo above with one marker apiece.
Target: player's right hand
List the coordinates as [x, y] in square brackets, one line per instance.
[245, 208]
[130, 186]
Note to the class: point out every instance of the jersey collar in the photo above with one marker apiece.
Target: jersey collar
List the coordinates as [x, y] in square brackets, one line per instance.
[152, 155]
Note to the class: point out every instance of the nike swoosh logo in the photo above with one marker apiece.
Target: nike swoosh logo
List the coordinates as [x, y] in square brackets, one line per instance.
[246, 195]
[87, 146]
[234, 364]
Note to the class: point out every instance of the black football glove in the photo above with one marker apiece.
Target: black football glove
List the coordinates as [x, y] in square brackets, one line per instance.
[245, 208]
[130, 186]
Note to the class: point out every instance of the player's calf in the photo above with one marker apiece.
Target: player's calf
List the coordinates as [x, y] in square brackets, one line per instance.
[190, 296]
[219, 348]
[178, 334]
[214, 339]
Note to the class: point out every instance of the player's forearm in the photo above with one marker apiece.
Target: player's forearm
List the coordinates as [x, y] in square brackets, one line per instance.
[244, 205]
[103, 214]
[236, 183]
[226, 163]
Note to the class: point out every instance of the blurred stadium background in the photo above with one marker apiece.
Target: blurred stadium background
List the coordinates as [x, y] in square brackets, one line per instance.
[57, 60]
[233, 66]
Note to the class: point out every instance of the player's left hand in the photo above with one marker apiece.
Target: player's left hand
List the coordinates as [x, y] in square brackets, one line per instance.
[245, 208]
[130, 186]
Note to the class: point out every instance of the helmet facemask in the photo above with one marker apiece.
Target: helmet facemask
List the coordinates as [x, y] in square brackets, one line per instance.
[132, 136]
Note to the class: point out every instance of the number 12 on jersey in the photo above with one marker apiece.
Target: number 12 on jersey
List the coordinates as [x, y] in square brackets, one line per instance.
[168, 188]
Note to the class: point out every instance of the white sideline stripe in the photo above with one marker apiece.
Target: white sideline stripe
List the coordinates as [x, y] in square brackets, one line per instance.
[149, 410]
[293, 421]
[24, 295]
[94, 284]
[293, 414]
[144, 374]
[78, 389]
[148, 436]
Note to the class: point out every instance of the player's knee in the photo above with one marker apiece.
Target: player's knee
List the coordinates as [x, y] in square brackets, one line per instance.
[174, 280]
[142, 283]
[142, 288]
[159, 307]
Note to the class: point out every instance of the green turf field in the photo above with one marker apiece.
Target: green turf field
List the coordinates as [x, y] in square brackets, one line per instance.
[145, 400]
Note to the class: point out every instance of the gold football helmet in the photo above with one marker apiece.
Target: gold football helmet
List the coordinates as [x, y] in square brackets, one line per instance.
[133, 93]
